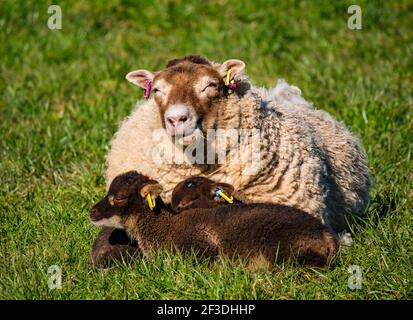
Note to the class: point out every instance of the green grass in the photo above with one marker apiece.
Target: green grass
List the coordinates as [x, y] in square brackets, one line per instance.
[63, 95]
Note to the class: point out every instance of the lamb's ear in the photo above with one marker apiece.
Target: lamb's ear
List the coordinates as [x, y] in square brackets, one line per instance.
[154, 189]
[225, 187]
[236, 67]
[139, 77]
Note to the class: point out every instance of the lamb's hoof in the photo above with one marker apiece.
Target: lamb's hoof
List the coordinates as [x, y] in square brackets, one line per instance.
[345, 240]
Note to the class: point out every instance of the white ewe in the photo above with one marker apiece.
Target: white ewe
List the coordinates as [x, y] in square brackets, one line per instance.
[303, 158]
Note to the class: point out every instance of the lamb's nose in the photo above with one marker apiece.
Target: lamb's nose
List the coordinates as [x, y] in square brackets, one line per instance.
[177, 120]
[93, 212]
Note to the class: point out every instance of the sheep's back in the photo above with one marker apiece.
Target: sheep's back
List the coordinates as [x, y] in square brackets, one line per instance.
[245, 229]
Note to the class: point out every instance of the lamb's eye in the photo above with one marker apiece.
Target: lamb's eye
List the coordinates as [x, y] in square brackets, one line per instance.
[121, 202]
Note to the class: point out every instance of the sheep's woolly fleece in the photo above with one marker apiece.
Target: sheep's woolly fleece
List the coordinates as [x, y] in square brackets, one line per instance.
[308, 160]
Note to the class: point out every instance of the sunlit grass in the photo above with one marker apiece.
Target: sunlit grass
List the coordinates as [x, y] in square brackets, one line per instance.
[63, 95]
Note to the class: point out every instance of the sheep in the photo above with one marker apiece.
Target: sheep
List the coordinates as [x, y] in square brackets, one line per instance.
[302, 158]
[262, 233]
[200, 192]
[112, 245]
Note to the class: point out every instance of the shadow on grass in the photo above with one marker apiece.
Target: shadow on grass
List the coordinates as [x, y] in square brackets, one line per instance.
[380, 206]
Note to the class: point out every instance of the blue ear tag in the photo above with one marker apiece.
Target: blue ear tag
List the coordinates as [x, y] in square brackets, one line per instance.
[220, 193]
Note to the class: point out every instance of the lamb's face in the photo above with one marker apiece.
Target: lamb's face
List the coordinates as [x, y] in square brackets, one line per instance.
[188, 93]
[126, 196]
[198, 192]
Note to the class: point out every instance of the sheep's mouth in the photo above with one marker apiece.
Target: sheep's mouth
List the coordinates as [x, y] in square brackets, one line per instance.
[183, 205]
[191, 136]
[97, 222]
[186, 140]
[112, 222]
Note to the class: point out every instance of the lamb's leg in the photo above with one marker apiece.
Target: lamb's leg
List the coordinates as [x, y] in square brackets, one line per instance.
[318, 252]
[112, 245]
[345, 239]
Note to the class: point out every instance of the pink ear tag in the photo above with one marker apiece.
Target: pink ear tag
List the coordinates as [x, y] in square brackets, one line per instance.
[232, 85]
[147, 90]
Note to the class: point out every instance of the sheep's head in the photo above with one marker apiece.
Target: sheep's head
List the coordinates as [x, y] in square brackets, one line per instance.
[188, 92]
[198, 192]
[127, 196]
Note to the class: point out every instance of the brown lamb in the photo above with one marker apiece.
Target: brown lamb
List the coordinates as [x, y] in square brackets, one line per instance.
[256, 231]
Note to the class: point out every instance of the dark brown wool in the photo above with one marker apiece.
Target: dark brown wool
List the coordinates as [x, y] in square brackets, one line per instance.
[193, 59]
[257, 231]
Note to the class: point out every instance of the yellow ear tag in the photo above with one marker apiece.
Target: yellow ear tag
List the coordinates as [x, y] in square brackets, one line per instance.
[151, 202]
[221, 194]
[228, 76]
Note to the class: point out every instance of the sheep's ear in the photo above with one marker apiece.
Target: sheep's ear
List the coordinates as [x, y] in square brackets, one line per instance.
[236, 67]
[154, 189]
[139, 77]
[225, 187]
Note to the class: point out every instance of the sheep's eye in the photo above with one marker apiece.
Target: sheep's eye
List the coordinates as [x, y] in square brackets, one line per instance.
[121, 201]
[210, 85]
[118, 201]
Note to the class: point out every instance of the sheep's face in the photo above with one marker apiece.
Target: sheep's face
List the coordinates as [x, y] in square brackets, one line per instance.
[188, 92]
[198, 192]
[126, 196]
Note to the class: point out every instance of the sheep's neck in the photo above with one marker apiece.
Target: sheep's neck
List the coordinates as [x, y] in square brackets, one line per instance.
[239, 112]
[150, 229]
[257, 127]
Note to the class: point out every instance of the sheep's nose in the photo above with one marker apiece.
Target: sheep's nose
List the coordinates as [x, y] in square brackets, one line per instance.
[93, 213]
[177, 120]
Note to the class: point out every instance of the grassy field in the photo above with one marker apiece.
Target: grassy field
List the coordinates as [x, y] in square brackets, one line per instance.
[63, 94]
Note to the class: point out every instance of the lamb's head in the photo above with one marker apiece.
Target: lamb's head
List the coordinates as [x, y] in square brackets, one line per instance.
[188, 92]
[199, 192]
[127, 196]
